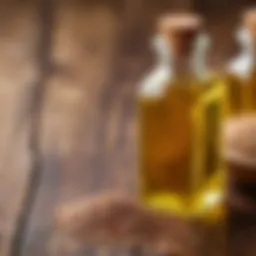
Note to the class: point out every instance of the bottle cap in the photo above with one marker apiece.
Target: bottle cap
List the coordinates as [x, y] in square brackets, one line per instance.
[180, 30]
[249, 20]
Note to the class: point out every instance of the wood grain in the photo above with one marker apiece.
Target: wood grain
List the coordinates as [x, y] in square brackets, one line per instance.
[71, 116]
[18, 73]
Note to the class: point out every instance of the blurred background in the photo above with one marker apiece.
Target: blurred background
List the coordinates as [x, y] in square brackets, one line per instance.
[68, 75]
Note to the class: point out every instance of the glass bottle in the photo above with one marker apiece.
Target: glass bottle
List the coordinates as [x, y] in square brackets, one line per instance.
[241, 78]
[180, 111]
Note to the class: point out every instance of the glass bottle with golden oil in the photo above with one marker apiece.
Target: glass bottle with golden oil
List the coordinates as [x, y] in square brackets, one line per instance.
[180, 107]
[241, 78]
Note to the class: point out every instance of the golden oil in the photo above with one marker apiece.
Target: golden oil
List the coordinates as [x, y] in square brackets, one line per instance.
[241, 77]
[180, 115]
[241, 93]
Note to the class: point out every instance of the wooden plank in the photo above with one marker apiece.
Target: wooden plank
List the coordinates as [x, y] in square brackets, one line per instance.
[18, 38]
[71, 118]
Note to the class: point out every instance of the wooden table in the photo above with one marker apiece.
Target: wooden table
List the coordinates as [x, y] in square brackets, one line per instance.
[68, 75]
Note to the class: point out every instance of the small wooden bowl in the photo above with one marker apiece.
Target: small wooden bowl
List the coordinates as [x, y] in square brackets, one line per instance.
[240, 157]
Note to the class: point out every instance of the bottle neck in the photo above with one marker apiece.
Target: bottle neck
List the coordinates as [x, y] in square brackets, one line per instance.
[192, 62]
[248, 43]
[182, 66]
[252, 50]
[249, 54]
[163, 54]
[187, 64]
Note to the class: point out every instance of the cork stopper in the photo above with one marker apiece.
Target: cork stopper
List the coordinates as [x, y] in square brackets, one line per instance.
[180, 31]
[249, 21]
[240, 141]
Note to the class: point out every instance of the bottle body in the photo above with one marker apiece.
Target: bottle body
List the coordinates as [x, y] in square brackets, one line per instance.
[180, 138]
[241, 94]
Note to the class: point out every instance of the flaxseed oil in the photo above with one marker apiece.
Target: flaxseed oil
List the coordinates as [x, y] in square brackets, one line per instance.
[241, 77]
[179, 138]
[180, 117]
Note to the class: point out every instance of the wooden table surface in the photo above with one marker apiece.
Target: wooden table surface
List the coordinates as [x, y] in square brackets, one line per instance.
[69, 72]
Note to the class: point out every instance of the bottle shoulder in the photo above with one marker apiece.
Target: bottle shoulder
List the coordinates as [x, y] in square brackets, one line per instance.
[155, 83]
[161, 81]
[241, 66]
